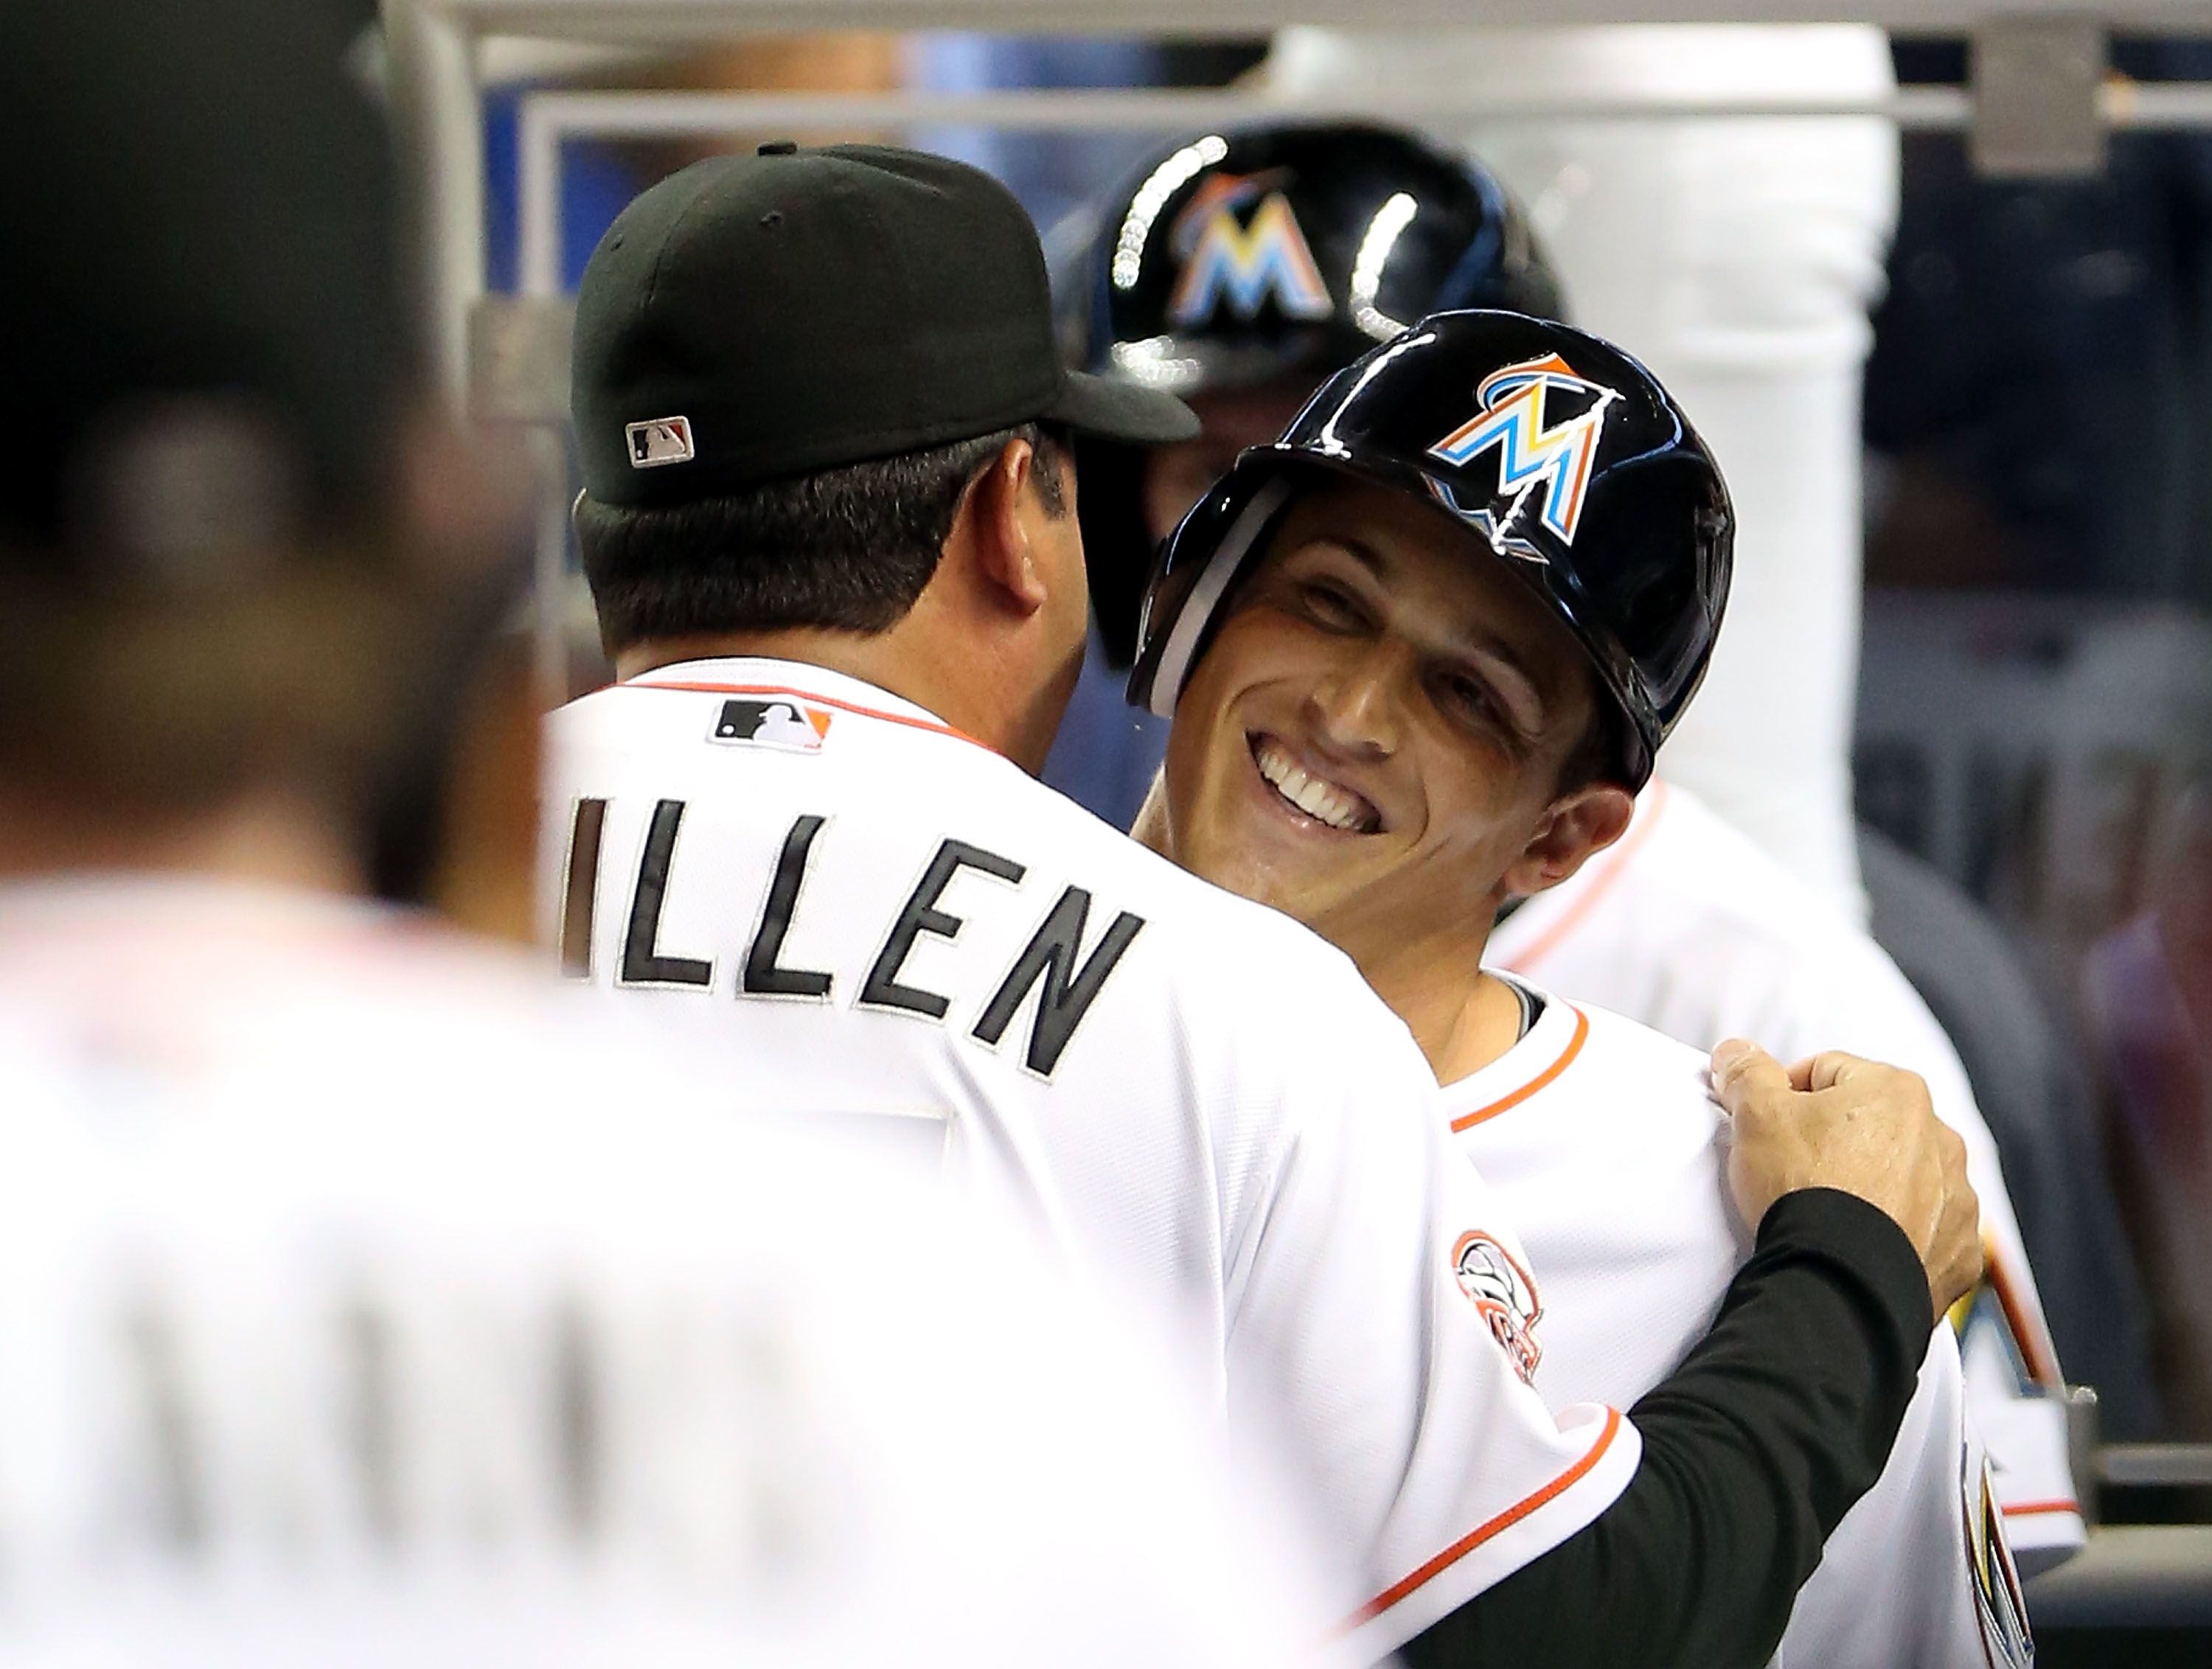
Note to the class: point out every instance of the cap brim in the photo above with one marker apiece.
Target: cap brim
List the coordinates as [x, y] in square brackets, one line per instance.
[1121, 411]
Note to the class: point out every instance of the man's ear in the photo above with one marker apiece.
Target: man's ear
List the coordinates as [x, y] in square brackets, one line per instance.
[997, 511]
[1575, 827]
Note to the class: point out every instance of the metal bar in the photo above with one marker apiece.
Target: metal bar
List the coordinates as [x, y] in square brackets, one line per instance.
[549, 588]
[2171, 1466]
[2143, 105]
[537, 195]
[2125, 106]
[2083, 1422]
[643, 115]
[439, 117]
[682, 20]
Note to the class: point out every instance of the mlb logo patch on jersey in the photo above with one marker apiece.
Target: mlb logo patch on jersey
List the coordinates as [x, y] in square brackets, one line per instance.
[792, 725]
[660, 441]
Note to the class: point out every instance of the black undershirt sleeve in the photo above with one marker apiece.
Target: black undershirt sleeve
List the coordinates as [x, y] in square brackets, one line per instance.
[1779, 1419]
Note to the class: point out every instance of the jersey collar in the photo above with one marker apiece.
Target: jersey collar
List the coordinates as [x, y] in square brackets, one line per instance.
[800, 678]
[1548, 1050]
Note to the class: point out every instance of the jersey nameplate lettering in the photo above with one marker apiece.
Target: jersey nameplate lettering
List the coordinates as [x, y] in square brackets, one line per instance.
[1052, 968]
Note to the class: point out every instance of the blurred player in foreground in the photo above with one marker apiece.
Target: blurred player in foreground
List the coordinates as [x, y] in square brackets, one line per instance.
[361, 1304]
[1419, 653]
[831, 534]
[1240, 271]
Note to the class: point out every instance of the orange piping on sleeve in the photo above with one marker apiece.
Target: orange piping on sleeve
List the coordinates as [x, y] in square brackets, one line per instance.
[1505, 1520]
[2040, 1367]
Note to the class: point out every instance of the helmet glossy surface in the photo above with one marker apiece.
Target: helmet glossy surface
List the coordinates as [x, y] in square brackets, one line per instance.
[1270, 255]
[1290, 250]
[1563, 458]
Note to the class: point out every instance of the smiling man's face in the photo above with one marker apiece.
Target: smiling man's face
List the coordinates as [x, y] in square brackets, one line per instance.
[1374, 741]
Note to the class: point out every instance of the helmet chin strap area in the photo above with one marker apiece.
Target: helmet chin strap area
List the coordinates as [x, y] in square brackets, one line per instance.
[1164, 682]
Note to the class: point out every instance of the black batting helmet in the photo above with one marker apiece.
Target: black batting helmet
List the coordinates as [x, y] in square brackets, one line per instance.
[1560, 452]
[1272, 253]
[1291, 249]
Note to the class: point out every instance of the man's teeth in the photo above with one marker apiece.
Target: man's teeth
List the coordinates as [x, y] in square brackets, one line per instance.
[1316, 799]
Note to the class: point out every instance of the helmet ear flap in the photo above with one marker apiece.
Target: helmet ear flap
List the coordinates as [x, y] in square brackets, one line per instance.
[1118, 553]
[1198, 565]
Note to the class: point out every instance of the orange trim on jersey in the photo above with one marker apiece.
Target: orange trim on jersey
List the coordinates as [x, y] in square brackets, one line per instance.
[2040, 1367]
[1468, 1120]
[930, 724]
[2029, 1508]
[1550, 939]
[1505, 1520]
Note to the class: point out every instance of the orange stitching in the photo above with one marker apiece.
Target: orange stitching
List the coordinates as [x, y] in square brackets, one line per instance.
[1468, 1120]
[1512, 1515]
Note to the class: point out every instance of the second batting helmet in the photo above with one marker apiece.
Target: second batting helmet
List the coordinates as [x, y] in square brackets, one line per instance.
[1290, 250]
[1566, 458]
[1275, 253]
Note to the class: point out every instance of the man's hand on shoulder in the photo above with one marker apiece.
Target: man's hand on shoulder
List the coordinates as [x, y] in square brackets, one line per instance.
[1837, 1121]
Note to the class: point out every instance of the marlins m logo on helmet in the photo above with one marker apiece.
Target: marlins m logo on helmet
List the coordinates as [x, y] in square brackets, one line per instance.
[1243, 262]
[1514, 402]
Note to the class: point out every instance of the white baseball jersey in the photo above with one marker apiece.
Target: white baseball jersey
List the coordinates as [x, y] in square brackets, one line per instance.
[1191, 1094]
[357, 1307]
[1687, 926]
[1603, 1142]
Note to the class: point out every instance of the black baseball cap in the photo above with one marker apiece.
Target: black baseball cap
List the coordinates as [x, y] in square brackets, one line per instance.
[757, 316]
[201, 324]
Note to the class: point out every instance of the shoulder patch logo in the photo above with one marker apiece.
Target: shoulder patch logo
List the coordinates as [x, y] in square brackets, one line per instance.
[1243, 261]
[1998, 1598]
[1544, 422]
[660, 441]
[1496, 1284]
[790, 725]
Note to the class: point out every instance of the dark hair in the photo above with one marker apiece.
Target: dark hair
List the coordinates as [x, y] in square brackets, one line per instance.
[849, 548]
[1597, 756]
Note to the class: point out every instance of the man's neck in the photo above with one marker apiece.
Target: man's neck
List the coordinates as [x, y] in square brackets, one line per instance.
[902, 660]
[272, 840]
[1462, 1018]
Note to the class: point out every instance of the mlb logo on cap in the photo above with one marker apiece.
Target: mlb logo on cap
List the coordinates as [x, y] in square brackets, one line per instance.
[792, 725]
[660, 441]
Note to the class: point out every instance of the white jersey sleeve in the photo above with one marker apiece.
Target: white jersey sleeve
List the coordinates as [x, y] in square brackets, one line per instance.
[1382, 1333]
[1602, 1140]
[1687, 927]
[356, 1309]
[1189, 1095]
